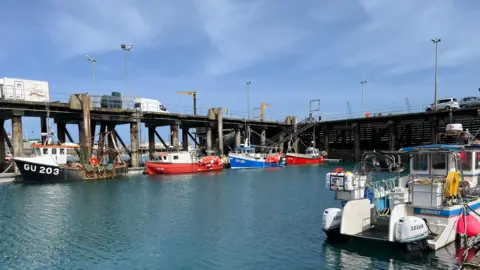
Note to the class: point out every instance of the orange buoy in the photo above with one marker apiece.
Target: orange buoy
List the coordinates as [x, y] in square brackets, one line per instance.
[337, 170]
[93, 161]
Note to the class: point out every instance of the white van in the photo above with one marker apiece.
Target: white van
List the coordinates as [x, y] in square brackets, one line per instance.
[149, 105]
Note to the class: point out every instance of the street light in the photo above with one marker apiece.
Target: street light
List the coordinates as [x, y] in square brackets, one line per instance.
[436, 41]
[362, 82]
[93, 61]
[248, 98]
[126, 48]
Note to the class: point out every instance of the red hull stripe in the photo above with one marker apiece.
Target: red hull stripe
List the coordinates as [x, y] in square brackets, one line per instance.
[294, 160]
[168, 168]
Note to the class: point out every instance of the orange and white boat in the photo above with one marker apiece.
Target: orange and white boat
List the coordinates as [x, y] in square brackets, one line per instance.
[183, 162]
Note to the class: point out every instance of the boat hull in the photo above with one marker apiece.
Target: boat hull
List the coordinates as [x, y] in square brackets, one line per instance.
[180, 168]
[40, 173]
[302, 159]
[237, 162]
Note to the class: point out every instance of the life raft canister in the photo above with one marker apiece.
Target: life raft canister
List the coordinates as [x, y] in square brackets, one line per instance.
[93, 161]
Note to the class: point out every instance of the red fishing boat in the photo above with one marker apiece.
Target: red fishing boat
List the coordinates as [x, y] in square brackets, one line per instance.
[183, 162]
[311, 156]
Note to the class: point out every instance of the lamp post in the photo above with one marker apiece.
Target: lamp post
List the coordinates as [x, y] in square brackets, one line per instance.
[93, 61]
[436, 41]
[362, 82]
[126, 49]
[248, 98]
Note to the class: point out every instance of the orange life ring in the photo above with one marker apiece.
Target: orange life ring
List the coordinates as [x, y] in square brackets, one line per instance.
[93, 161]
[337, 170]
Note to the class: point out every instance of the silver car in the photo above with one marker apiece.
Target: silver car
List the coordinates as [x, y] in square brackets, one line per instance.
[469, 102]
[444, 104]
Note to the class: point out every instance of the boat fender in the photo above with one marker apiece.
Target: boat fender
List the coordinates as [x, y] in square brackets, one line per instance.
[332, 218]
[410, 229]
[473, 225]
[337, 170]
[93, 161]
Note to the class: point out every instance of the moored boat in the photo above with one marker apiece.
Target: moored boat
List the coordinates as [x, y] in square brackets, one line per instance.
[183, 162]
[49, 164]
[311, 156]
[426, 209]
[245, 157]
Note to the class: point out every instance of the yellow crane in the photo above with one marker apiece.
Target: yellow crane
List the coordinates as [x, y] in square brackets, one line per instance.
[194, 95]
[262, 110]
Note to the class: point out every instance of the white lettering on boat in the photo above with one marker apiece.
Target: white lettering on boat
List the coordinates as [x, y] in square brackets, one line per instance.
[430, 212]
[42, 169]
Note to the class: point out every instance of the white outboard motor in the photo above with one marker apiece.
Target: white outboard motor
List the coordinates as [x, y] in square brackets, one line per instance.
[412, 232]
[332, 219]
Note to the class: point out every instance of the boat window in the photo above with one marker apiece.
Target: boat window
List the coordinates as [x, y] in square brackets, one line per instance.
[45, 151]
[175, 157]
[466, 161]
[420, 162]
[165, 158]
[38, 151]
[54, 151]
[62, 151]
[438, 161]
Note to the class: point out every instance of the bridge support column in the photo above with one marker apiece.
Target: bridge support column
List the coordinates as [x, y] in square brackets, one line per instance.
[326, 140]
[61, 128]
[17, 134]
[101, 139]
[84, 132]
[43, 128]
[392, 131]
[263, 137]
[151, 142]
[185, 138]
[433, 130]
[238, 139]
[134, 144]
[209, 141]
[220, 131]
[174, 137]
[357, 152]
[112, 141]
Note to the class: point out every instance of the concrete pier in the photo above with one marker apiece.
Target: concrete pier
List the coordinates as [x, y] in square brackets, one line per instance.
[185, 138]
[134, 144]
[220, 131]
[238, 139]
[43, 128]
[392, 133]
[151, 142]
[209, 140]
[174, 136]
[61, 130]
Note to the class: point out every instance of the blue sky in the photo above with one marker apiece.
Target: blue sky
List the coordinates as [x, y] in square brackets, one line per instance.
[291, 51]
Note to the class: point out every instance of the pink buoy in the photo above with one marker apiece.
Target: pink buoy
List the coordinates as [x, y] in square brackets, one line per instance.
[473, 226]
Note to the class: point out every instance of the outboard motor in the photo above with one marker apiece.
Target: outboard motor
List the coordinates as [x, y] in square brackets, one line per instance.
[412, 232]
[332, 219]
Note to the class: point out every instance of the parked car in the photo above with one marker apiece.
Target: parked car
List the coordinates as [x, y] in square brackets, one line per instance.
[444, 104]
[469, 102]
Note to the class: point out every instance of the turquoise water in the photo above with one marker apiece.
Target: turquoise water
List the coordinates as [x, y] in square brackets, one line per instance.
[246, 219]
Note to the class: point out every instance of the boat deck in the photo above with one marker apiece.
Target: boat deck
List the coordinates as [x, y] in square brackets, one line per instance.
[377, 233]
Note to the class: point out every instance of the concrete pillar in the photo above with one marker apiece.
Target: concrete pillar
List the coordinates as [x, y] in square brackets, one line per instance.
[238, 139]
[111, 142]
[263, 137]
[392, 130]
[85, 129]
[17, 136]
[134, 144]
[433, 130]
[43, 128]
[326, 140]
[174, 136]
[357, 152]
[101, 139]
[209, 140]
[61, 129]
[93, 127]
[185, 138]
[3, 141]
[220, 131]
[151, 142]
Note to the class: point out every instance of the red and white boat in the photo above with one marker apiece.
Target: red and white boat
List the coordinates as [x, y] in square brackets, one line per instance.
[311, 156]
[183, 162]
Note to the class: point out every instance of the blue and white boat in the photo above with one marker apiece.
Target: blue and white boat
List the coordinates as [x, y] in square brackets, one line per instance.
[418, 210]
[245, 157]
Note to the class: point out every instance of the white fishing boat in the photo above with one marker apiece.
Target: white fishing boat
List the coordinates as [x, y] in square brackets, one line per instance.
[428, 208]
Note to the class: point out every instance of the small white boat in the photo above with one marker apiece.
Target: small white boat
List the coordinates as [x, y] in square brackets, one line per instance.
[423, 209]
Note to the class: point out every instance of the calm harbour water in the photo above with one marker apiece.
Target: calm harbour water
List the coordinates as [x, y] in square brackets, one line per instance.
[249, 219]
